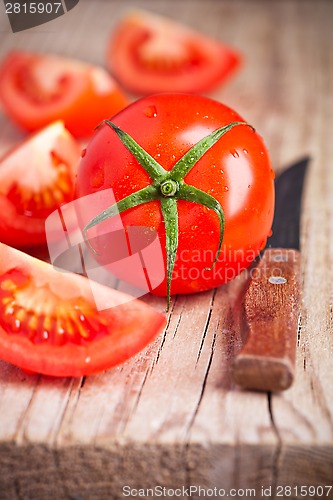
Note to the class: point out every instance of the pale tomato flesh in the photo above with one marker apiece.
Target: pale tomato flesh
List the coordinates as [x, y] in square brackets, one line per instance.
[37, 89]
[36, 177]
[49, 322]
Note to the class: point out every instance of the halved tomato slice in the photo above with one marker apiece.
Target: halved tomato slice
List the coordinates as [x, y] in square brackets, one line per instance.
[37, 89]
[149, 53]
[35, 179]
[49, 322]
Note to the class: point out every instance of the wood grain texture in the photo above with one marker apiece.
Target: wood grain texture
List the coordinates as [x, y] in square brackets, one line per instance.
[272, 305]
[172, 415]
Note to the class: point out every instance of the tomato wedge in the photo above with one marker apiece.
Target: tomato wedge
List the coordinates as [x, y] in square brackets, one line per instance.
[148, 53]
[49, 323]
[37, 89]
[35, 179]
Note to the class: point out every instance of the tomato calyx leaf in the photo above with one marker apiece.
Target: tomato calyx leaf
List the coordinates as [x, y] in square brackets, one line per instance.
[152, 167]
[168, 187]
[187, 162]
[149, 193]
[190, 193]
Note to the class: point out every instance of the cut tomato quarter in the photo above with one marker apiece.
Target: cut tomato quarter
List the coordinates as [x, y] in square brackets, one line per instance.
[148, 53]
[49, 322]
[37, 89]
[36, 178]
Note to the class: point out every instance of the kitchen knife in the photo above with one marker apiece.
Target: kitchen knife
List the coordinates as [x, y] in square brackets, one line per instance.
[272, 299]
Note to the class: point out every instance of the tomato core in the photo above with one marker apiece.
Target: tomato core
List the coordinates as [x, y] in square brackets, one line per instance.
[41, 203]
[54, 322]
[29, 86]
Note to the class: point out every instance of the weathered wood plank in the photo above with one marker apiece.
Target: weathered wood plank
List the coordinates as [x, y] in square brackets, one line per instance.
[171, 415]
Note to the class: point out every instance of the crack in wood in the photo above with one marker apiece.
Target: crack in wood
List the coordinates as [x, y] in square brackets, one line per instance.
[136, 403]
[165, 333]
[203, 387]
[178, 323]
[204, 334]
[188, 469]
[70, 389]
[19, 435]
[75, 388]
[299, 331]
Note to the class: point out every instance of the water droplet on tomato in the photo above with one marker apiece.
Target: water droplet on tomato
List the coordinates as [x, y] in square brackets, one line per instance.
[150, 111]
[272, 173]
[45, 334]
[270, 233]
[226, 188]
[245, 151]
[83, 152]
[234, 153]
[88, 359]
[249, 185]
[97, 180]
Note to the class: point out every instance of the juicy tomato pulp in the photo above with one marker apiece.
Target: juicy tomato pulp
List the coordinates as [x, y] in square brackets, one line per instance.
[148, 53]
[38, 89]
[36, 178]
[236, 171]
[49, 322]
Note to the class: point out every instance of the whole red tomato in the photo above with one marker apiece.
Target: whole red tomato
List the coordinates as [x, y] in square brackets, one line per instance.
[194, 171]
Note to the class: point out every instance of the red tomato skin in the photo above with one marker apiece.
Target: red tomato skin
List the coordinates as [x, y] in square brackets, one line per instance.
[80, 106]
[131, 324]
[17, 228]
[210, 62]
[236, 171]
[23, 234]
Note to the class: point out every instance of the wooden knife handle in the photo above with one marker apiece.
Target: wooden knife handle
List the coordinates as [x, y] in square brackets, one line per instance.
[272, 304]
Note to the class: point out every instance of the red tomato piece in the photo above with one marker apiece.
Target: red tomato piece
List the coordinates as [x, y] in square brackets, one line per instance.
[149, 53]
[184, 192]
[37, 89]
[35, 179]
[49, 323]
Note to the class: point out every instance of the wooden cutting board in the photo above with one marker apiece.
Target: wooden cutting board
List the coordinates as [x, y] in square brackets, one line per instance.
[172, 415]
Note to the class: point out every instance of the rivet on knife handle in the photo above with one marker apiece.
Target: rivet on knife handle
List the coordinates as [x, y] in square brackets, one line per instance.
[272, 303]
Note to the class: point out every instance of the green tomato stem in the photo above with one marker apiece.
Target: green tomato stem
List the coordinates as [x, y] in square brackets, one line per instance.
[170, 216]
[169, 187]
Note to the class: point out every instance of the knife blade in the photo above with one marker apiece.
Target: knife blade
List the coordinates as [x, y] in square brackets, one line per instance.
[272, 299]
